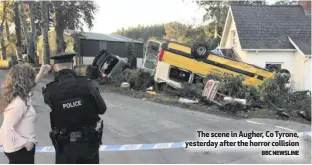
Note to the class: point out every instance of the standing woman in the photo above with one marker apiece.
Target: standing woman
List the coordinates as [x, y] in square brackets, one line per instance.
[17, 134]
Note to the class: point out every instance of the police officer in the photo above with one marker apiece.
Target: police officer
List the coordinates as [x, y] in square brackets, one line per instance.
[76, 104]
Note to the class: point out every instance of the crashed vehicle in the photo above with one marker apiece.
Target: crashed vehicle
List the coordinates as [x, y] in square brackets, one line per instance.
[150, 58]
[173, 63]
[105, 66]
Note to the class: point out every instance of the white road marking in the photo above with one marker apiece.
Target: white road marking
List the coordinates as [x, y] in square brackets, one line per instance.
[249, 121]
[285, 128]
[288, 129]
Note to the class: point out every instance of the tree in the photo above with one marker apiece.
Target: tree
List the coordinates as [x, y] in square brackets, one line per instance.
[7, 30]
[210, 29]
[216, 11]
[176, 31]
[9, 19]
[7, 48]
[3, 47]
[45, 30]
[18, 33]
[143, 32]
[37, 13]
[25, 26]
[31, 51]
[30, 35]
[69, 14]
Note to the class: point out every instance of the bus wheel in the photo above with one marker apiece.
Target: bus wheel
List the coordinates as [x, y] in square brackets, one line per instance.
[200, 50]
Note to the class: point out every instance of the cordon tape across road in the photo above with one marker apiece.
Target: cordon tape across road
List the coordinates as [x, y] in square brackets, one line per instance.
[128, 147]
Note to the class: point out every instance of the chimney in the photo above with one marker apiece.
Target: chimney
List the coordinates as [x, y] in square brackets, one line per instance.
[306, 5]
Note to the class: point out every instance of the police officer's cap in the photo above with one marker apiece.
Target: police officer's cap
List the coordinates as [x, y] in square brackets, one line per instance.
[63, 57]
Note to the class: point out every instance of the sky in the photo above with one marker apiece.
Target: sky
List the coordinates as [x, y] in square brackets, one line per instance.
[115, 14]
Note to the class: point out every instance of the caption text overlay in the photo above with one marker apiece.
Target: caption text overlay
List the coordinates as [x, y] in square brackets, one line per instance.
[268, 143]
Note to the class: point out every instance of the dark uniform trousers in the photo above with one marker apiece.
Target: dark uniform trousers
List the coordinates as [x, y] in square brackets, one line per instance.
[78, 153]
[22, 156]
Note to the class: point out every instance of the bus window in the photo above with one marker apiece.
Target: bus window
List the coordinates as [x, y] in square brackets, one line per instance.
[153, 48]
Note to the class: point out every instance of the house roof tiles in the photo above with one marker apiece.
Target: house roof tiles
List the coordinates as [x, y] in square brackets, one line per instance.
[268, 27]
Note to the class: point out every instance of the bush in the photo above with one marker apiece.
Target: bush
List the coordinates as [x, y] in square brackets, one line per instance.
[122, 77]
[233, 86]
[229, 85]
[190, 91]
[271, 91]
[274, 90]
[137, 78]
[140, 80]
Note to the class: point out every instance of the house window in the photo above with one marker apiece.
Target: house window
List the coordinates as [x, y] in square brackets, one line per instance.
[233, 38]
[273, 66]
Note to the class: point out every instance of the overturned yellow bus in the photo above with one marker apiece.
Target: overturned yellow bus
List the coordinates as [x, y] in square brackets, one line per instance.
[174, 63]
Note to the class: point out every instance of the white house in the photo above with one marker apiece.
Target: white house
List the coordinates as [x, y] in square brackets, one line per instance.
[272, 35]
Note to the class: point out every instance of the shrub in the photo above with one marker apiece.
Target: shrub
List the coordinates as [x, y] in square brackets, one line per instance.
[233, 86]
[166, 89]
[137, 78]
[122, 77]
[271, 91]
[274, 90]
[191, 91]
[140, 80]
[229, 85]
[300, 100]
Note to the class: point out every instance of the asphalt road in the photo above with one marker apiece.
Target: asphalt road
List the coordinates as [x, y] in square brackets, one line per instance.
[134, 121]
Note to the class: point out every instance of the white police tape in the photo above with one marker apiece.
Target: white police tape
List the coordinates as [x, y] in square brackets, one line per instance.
[128, 147]
[122, 147]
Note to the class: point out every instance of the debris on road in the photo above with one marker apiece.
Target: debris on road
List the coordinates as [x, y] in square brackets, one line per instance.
[283, 114]
[150, 88]
[188, 101]
[231, 99]
[211, 89]
[304, 115]
[125, 85]
[151, 92]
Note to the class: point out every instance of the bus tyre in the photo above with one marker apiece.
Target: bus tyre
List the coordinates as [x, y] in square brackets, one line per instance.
[200, 51]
